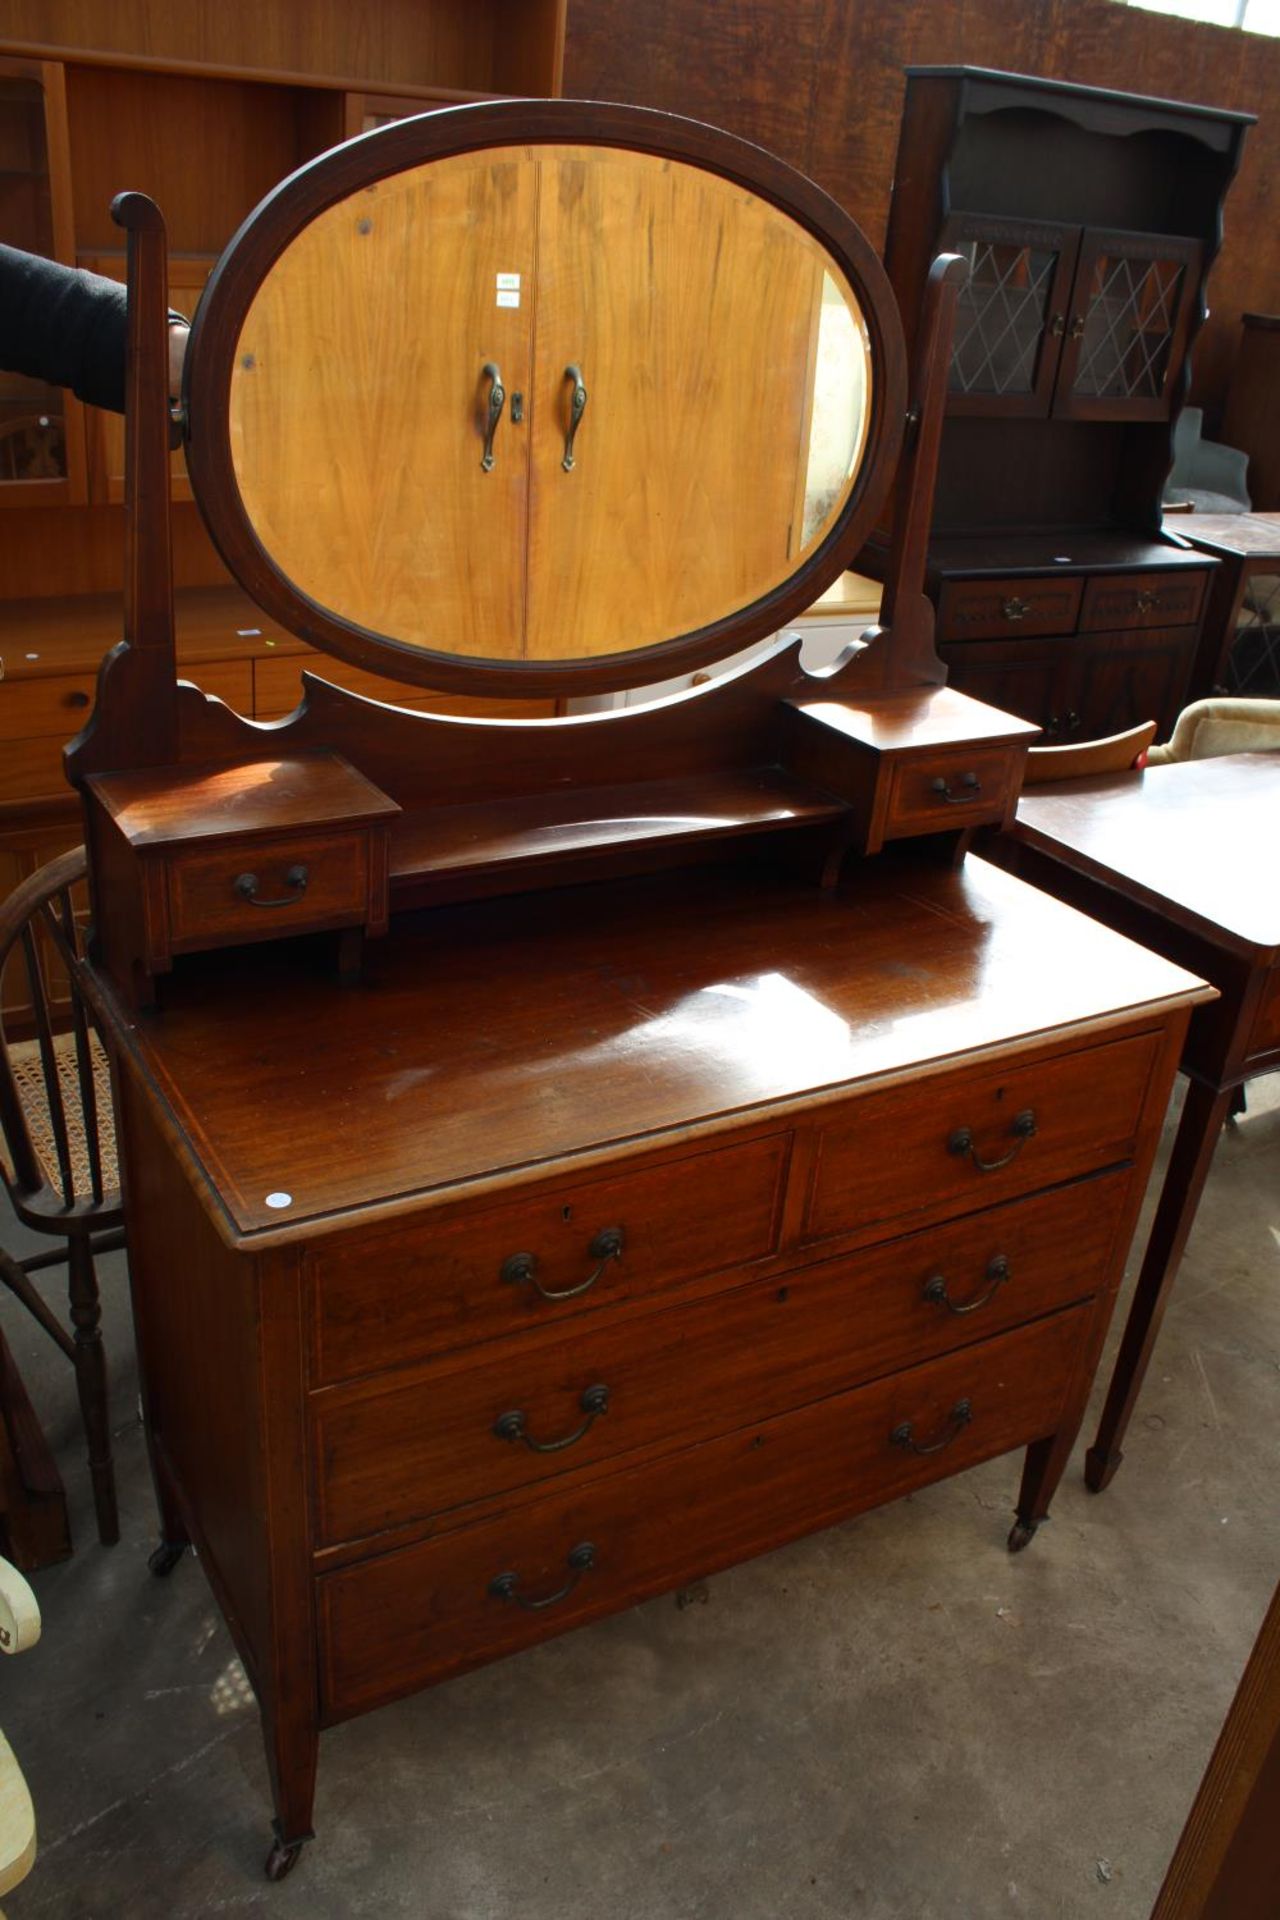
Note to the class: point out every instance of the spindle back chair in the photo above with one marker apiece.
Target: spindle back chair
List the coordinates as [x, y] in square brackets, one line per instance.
[58, 1163]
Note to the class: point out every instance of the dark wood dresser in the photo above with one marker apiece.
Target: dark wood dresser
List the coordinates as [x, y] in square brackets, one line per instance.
[1089, 220]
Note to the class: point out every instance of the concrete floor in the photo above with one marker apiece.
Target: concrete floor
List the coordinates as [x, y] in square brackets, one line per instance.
[893, 1720]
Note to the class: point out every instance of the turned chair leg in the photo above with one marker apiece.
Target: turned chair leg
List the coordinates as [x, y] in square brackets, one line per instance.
[91, 1385]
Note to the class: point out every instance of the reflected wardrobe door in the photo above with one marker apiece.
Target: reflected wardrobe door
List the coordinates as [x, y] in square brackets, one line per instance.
[677, 331]
[377, 412]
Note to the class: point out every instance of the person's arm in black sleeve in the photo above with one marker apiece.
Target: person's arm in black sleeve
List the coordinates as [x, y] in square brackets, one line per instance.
[64, 326]
[70, 328]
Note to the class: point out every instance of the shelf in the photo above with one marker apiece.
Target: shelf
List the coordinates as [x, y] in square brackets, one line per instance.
[530, 832]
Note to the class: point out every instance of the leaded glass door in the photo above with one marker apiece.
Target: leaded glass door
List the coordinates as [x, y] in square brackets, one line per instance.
[1012, 315]
[1130, 309]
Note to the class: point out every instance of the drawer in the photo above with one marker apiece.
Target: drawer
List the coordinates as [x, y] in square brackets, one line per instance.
[55, 709]
[449, 1280]
[1130, 600]
[949, 790]
[388, 1453]
[278, 689]
[401, 1621]
[961, 1140]
[1008, 609]
[206, 908]
[32, 769]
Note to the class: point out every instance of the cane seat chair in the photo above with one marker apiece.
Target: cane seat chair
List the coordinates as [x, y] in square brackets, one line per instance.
[58, 1163]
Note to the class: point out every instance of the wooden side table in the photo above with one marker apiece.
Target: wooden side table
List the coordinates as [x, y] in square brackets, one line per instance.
[1175, 857]
[1239, 648]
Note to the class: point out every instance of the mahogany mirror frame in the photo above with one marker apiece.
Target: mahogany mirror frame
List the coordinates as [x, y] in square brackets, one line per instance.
[276, 222]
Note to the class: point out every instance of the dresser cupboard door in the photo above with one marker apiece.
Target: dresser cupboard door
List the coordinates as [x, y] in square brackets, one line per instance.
[41, 426]
[1011, 314]
[1130, 311]
[1122, 679]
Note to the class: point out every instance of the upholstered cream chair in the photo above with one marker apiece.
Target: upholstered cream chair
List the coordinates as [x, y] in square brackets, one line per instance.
[1220, 725]
[19, 1629]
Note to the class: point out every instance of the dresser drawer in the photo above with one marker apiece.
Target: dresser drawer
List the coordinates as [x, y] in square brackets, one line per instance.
[1010, 609]
[1128, 600]
[394, 1451]
[209, 899]
[398, 1622]
[949, 790]
[449, 1280]
[968, 1139]
[55, 708]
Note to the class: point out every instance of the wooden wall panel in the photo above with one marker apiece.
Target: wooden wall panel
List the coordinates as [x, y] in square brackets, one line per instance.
[386, 42]
[821, 82]
[206, 150]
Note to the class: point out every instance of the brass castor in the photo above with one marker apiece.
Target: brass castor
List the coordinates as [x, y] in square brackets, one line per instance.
[1021, 1534]
[166, 1557]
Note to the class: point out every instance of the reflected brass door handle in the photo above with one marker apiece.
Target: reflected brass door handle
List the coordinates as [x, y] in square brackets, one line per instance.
[497, 400]
[577, 407]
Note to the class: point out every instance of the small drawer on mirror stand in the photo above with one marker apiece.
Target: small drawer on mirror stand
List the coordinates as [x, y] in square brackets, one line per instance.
[927, 760]
[194, 858]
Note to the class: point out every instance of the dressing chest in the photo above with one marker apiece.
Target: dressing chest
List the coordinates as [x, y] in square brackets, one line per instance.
[708, 1150]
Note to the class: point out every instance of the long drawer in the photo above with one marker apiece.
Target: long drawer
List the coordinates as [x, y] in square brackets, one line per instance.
[401, 1621]
[450, 1280]
[967, 1139]
[415, 1445]
[1131, 600]
[1011, 609]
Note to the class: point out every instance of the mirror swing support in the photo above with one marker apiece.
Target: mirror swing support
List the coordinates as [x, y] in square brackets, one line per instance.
[383, 809]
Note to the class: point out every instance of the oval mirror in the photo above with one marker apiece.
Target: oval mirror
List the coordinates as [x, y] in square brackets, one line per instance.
[538, 409]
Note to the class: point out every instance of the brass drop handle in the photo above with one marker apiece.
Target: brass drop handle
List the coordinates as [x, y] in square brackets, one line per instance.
[1022, 1127]
[506, 1586]
[1057, 326]
[497, 400]
[521, 1269]
[957, 1420]
[1076, 329]
[935, 1288]
[511, 1426]
[970, 790]
[1015, 609]
[295, 880]
[577, 407]
[1146, 602]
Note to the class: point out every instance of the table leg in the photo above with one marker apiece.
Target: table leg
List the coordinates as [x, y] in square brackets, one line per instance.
[1193, 1149]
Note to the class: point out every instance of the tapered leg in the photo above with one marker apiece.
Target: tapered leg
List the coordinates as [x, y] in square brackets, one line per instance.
[1044, 1467]
[293, 1743]
[91, 1385]
[1193, 1150]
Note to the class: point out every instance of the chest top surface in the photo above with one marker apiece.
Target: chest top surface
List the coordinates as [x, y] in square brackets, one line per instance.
[481, 1046]
[1196, 840]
